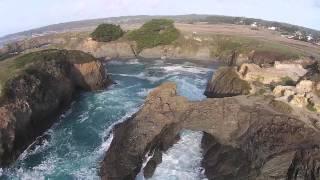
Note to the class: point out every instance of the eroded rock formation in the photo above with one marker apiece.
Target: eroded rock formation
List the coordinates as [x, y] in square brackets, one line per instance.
[32, 99]
[226, 82]
[154, 128]
[245, 137]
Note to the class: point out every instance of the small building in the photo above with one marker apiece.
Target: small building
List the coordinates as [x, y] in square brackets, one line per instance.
[290, 37]
[309, 37]
[299, 35]
[197, 39]
[272, 28]
[254, 25]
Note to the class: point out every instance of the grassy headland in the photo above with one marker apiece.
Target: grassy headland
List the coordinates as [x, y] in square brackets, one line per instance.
[14, 66]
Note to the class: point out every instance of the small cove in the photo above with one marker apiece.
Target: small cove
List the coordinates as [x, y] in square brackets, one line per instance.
[75, 145]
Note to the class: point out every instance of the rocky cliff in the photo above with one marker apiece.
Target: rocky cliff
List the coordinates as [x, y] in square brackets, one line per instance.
[44, 85]
[155, 127]
[126, 49]
[245, 137]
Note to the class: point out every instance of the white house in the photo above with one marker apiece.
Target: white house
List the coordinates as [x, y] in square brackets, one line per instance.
[272, 28]
[254, 24]
[197, 39]
[290, 37]
[309, 37]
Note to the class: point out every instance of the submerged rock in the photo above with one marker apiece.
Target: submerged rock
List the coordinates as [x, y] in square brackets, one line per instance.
[39, 92]
[245, 137]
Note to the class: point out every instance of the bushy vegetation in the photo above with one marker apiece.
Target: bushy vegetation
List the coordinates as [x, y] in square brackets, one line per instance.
[311, 107]
[154, 33]
[107, 33]
[281, 106]
[287, 81]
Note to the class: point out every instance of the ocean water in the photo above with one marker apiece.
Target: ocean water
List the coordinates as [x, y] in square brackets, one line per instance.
[183, 160]
[75, 145]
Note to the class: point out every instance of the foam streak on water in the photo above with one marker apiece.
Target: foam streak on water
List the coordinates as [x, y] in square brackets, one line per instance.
[75, 145]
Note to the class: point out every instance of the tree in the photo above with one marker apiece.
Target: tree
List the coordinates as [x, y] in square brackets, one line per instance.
[107, 33]
[154, 33]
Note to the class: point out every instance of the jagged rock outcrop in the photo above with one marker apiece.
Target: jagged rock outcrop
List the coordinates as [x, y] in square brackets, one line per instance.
[279, 72]
[154, 128]
[35, 96]
[109, 50]
[245, 137]
[267, 57]
[226, 82]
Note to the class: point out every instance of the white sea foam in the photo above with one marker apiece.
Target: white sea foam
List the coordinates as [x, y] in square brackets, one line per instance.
[183, 68]
[133, 61]
[183, 160]
[140, 75]
[113, 62]
[140, 175]
[107, 134]
[36, 149]
[159, 62]
[38, 172]
[143, 76]
[188, 88]
[144, 92]
[83, 117]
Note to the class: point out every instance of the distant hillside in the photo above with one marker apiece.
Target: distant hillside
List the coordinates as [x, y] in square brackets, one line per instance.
[90, 24]
[284, 27]
[192, 18]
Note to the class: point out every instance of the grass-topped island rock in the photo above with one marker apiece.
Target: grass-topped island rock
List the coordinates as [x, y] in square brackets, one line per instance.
[36, 87]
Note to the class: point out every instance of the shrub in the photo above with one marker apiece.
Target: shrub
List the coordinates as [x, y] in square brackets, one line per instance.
[281, 106]
[260, 92]
[287, 81]
[154, 33]
[107, 33]
[311, 107]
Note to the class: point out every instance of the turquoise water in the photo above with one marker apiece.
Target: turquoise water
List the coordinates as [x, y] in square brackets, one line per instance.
[75, 145]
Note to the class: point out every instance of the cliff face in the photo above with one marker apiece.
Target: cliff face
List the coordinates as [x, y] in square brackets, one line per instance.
[33, 98]
[245, 138]
[126, 49]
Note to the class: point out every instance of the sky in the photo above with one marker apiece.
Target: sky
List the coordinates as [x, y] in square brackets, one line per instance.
[20, 15]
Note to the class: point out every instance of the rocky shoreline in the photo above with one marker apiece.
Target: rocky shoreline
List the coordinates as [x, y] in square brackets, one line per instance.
[33, 98]
[249, 133]
[260, 121]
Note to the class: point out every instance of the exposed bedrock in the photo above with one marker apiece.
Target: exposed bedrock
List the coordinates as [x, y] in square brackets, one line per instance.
[32, 99]
[226, 82]
[245, 137]
[154, 128]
